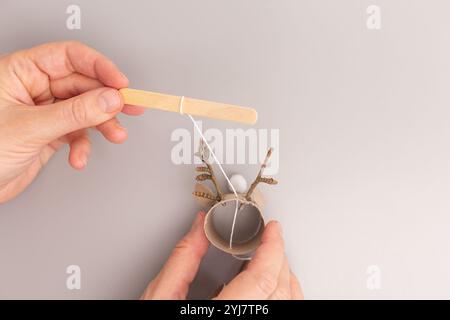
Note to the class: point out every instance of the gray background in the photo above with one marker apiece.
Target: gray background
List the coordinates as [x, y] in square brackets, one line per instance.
[364, 145]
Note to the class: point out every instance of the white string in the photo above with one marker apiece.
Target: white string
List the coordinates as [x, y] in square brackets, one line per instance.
[224, 174]
[181, 104]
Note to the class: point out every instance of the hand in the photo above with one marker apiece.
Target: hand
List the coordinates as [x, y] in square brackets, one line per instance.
[50, 95]
[267, 276]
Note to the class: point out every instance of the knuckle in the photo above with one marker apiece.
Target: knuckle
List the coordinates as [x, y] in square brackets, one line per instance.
[281, 294]
[182, 247]
[266, 282]
[77, 111]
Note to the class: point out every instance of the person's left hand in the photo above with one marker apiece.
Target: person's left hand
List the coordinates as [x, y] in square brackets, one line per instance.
[172, 282]
[50, 95]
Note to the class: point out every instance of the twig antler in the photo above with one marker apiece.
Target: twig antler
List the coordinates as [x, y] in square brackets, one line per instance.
[260, 178]
[206, 173]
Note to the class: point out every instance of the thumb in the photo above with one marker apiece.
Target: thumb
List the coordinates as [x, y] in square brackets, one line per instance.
[86, 110]
[181, 268]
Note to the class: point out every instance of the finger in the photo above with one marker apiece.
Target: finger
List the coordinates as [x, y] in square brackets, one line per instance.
[133, 110]
[296, 289]
[113, 131]
[60, 59]
[181, 268]
[80, 148]
[73, 85]
[76, 84]
[48, 151]
[260, 279]
[283, 290]
[90, 109]
[270, 254]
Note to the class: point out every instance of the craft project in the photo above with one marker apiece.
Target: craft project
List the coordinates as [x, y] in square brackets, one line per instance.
[222, 228]
[234, 225]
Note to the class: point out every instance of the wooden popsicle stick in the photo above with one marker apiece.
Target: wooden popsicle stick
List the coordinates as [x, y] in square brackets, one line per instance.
[191, 106]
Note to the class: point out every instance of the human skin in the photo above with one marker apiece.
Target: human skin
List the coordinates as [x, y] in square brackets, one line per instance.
[51, 95]
[267, 276]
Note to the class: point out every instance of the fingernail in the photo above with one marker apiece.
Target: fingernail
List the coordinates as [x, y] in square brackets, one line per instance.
[84, 162]
[280, 228]
[83, 159]
[110, 101]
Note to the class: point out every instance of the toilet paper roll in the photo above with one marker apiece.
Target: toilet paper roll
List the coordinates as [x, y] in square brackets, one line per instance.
[248, 229]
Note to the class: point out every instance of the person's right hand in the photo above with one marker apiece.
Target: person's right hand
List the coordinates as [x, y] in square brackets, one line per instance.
[267, 275]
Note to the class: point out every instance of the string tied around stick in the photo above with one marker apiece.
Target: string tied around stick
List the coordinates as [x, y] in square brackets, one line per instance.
[181, 105]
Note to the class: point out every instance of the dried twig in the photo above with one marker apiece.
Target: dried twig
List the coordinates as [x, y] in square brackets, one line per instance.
[202, 169]
[268, 180]
[260, 178]
[203, 177]
[211, 176]
[205, 195]
[207, 172]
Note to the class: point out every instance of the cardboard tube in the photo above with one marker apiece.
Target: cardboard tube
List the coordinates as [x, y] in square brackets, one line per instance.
[248, 230]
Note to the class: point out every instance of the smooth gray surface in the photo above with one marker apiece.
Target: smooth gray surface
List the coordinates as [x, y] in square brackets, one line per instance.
[364, 144]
